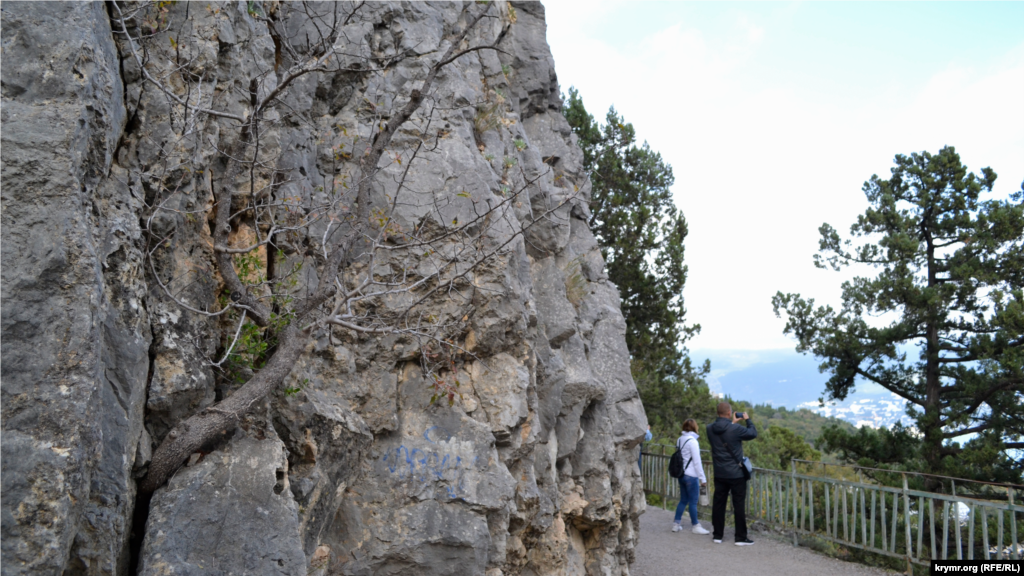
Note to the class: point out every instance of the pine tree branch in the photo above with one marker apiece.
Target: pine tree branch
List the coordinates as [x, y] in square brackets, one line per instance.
[963, 431]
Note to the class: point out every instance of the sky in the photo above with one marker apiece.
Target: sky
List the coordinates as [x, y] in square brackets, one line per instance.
[773, 115]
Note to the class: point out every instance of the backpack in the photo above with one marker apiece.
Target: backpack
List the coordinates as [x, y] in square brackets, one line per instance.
[676, 467]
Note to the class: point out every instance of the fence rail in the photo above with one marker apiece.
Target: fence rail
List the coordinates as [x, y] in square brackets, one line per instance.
[912, 525]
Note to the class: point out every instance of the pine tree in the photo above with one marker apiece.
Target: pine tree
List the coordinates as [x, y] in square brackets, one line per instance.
[951, 271]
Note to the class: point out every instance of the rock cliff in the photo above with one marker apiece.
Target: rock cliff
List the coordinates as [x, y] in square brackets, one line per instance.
[350, 466]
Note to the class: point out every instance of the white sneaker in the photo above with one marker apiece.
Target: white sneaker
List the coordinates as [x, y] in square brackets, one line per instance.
[676, 527]
[698, 529]
[718, 541]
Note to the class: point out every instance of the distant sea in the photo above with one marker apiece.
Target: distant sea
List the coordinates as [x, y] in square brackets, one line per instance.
[788, 378]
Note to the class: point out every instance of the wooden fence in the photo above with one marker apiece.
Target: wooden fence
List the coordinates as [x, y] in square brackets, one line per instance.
[900, 522]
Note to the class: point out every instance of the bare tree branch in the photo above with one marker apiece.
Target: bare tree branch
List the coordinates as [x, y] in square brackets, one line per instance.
[367, 290]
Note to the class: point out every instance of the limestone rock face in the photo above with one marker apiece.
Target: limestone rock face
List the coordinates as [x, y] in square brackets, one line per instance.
[228, 513]
[350, 468]
[76, 328]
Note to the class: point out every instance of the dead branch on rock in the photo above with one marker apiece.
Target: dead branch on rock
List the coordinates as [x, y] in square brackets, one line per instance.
[372, 276]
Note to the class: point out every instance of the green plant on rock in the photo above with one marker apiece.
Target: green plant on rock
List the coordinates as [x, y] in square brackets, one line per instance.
[246, 354]
[293, 390]
[250, 268]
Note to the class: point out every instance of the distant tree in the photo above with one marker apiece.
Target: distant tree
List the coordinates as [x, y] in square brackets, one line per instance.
[776, 445]
[951, 277]
[878, 446]
[641, 233]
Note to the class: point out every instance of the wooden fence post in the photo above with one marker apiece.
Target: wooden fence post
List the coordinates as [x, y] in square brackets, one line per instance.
[956, 526]
[906, 524]
[792, 488]
[1015, 552]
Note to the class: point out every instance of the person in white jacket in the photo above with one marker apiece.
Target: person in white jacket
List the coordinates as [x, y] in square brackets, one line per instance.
[692, 479]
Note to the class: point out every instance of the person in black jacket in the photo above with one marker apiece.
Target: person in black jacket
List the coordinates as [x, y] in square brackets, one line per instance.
[727, 436]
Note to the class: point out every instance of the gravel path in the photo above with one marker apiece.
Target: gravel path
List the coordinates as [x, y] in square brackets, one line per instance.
[664, 553]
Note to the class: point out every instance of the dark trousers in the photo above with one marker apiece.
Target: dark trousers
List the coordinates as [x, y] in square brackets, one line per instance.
[738, 487]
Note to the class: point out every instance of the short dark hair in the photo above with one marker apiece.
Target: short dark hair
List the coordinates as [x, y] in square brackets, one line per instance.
[724, 409]
[690, 425]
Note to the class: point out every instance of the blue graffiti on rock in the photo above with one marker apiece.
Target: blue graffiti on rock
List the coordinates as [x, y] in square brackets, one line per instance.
[441, 461]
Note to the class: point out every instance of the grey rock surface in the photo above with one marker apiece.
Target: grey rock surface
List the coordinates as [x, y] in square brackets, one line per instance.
[229, 513]
[350, 468]
[74, 319]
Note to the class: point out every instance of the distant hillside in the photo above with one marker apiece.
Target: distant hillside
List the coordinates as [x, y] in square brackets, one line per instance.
[805, 423]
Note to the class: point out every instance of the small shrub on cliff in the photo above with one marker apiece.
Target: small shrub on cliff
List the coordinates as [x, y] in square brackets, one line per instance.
[490, 113]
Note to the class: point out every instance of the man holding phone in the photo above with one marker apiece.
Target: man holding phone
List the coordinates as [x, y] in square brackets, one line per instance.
[727, 434]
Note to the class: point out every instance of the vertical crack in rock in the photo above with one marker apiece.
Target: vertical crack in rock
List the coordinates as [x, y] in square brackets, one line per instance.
[143, 454]
[138, 535]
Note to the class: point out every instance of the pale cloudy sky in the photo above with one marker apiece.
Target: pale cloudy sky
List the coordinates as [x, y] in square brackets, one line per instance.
[773, 115]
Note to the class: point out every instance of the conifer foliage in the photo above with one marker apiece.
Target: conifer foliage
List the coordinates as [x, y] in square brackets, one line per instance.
[951, 279]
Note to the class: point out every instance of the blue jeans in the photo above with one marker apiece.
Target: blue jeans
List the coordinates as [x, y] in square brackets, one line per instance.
[689, 491]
